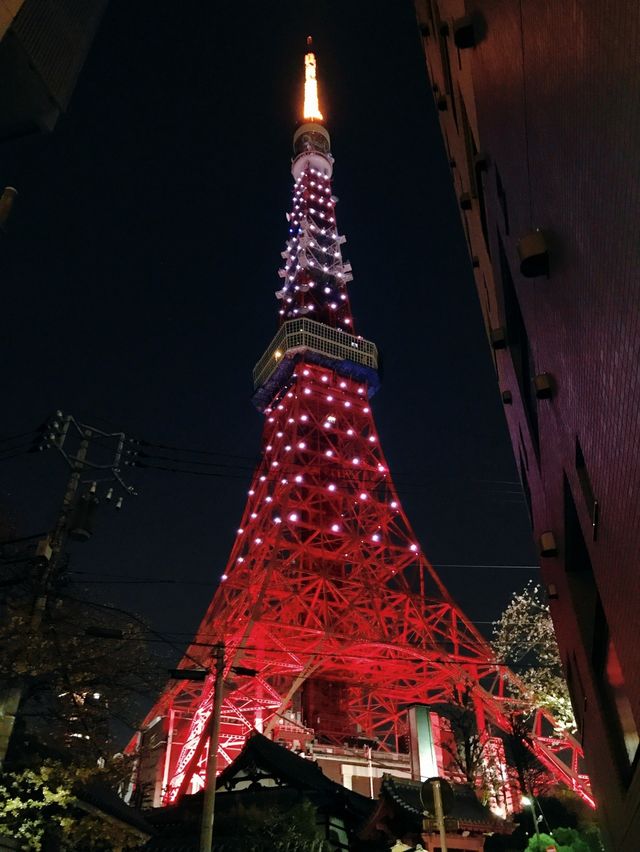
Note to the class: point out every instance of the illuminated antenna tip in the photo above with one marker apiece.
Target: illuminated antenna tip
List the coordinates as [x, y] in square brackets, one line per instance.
[311, 106]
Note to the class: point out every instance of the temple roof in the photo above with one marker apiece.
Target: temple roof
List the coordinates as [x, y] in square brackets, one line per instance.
[467, 810]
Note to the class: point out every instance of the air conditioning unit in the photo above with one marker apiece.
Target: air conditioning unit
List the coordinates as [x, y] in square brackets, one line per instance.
[547, 544]
[543, 383]
[533, 253]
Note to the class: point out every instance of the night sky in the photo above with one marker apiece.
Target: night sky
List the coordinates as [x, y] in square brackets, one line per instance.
[139, 276]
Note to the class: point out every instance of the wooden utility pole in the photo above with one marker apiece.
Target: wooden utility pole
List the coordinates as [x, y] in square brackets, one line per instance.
[55, 434]
[209, 804]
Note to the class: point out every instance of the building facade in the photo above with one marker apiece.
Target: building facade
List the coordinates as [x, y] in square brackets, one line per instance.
[538, 105]
[43, 46]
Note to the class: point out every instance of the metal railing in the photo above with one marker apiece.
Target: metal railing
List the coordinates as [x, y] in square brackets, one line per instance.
[304, 334]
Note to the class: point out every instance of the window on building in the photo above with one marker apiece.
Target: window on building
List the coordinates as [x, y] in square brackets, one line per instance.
[596, 638]
[525, 488]
[442, 35]
[475, 170]
[523, 448]
[586, 488]
[612, 685]
[519, 346]
[502, 200]
[577, 693]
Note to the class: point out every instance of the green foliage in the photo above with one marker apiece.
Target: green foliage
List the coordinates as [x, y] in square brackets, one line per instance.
[524, 638]
[39, 809]
[255, 829]
[564, 840]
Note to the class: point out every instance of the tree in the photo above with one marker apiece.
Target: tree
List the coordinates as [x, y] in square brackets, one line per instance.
[524, 639]
[82, 671]
[41, 808]
[292, 830]
[563, 840]
[468, 754]
[86, 667]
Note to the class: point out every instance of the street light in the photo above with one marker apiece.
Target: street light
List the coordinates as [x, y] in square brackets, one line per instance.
[528, 801]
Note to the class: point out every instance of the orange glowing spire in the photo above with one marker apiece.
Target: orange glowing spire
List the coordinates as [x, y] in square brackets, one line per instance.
[311, 105]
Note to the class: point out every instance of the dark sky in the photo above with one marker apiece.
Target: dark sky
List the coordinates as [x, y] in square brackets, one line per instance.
[139, 273]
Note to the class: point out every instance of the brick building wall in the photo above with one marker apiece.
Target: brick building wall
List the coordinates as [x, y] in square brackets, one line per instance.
[540, 116]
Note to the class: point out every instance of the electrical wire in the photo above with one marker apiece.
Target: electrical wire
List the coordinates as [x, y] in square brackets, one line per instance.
[5, 438]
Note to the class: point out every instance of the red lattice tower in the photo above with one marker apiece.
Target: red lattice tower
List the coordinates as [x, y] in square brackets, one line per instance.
[327, 595]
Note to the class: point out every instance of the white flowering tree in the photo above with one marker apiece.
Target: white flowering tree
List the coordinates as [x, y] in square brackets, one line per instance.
[524, 639]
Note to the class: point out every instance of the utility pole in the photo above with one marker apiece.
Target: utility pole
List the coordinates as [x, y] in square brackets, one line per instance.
[209, 804]
[56, 433]
[437, 803]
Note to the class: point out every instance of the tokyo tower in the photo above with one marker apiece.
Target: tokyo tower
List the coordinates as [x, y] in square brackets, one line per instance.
[332, 619]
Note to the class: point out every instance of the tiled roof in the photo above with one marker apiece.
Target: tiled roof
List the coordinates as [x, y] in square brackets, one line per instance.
[99, 796]
[466, 807]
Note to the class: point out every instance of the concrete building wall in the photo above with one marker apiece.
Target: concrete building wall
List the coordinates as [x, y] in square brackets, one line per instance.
[542, 126]
[43, 46]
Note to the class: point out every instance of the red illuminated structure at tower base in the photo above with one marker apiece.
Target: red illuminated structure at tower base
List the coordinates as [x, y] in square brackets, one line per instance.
[332, 619]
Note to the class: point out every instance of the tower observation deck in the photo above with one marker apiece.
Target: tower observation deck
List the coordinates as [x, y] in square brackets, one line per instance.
[332, 619]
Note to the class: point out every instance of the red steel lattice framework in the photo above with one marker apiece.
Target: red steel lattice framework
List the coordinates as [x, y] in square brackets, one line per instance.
[327, 603]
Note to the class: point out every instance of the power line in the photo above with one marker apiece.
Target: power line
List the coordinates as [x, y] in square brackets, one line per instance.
[127, 579]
